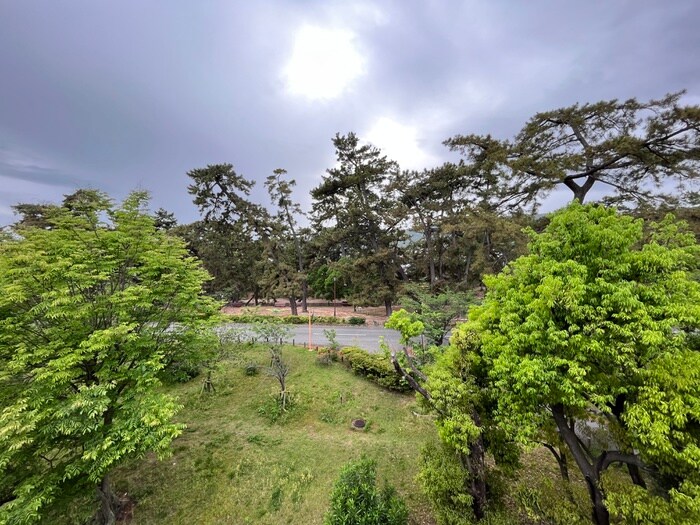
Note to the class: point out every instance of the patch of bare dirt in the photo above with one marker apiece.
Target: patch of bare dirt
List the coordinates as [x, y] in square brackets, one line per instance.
[374, 315]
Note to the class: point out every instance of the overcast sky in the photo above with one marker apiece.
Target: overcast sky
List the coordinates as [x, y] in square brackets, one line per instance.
[132, 94]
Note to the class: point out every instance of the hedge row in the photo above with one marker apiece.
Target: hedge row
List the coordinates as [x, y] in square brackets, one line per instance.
[294, 319]
[375, 367]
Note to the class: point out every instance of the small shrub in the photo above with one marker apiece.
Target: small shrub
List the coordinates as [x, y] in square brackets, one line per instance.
[356, 499]
[324, 358]
[251, 369]
[326, 319]
[376, 368]
[332, 337]
[180, 372]
[272, 409]
[294, 319]
[356, 320]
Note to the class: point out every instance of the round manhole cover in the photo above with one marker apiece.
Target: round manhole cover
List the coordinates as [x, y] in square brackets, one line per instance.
[358, 423]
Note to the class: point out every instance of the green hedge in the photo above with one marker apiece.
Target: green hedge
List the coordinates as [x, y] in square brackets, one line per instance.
[375, 367]
[284, 319]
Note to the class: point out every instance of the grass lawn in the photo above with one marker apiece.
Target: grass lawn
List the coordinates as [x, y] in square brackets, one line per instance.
[233, 465]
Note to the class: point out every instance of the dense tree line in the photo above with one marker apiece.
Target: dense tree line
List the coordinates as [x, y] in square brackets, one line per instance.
[373, 228]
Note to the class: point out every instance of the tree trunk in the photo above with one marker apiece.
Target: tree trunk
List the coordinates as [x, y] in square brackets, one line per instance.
[560, 457]
[477, 472]
[429, 253]
[467, 268]
[304, 296]
[387, 307]
[109, 503]
[581, 191]
[591, 474]
[636, 476]
[293, 305]
[601, 516]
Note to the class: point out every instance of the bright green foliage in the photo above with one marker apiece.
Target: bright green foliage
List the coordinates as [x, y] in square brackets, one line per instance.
[635, 505]
[456, 396]
[456, 476]
[437, 311]
[444, 480]
[91, 312]
[596, 321]
[406, 324]
[356, 500]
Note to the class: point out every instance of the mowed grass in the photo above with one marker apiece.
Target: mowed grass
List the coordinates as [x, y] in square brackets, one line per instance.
[233, 465]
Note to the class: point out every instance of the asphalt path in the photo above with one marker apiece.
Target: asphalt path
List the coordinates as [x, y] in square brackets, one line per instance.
[366, 337]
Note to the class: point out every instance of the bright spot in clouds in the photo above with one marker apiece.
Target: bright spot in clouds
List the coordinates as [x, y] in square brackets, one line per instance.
[323, 63]
[399, 142]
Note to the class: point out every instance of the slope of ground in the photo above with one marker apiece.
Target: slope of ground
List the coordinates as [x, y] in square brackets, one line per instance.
[234, 465]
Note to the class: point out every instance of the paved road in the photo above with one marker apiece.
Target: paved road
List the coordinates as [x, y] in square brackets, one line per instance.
[366, 337]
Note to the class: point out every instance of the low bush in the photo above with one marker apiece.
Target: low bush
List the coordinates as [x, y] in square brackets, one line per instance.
[271, 408]
[253, 318]
[180, 372]
[286, 319]
[326, 319]
[356, 499]
[376, 368]
[356, 320]
[251, 369]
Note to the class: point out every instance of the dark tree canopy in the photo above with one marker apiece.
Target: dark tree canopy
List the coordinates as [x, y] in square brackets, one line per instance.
[636, 149]
[356, 204]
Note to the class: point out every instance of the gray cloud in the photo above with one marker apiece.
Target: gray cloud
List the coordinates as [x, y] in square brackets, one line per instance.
[134, 94]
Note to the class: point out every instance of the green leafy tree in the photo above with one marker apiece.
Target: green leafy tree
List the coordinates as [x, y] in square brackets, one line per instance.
[637, 150]
[91, 312]
[356, 500]
[430, 198]
[328, 282]
[593, 330]
[33, 215]
[437, 311]
[41, 215]
[228, 253]
[455, 476]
